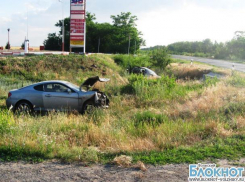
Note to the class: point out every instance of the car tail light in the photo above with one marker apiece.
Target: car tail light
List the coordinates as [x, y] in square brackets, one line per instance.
[9, 94]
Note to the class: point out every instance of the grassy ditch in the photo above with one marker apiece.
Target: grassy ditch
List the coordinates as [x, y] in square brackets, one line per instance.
[173, 119]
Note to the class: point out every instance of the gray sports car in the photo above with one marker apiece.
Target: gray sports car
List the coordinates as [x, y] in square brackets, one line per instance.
[57, 95]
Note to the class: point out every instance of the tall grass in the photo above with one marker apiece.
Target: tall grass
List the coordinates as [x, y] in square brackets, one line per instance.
[154, 120]
[150, 89]
[9, 83]
[237, 80]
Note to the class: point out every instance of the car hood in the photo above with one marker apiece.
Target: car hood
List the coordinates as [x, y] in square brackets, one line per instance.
[92, 80]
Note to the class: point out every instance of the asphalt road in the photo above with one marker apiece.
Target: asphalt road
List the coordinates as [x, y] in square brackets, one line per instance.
[214, 62]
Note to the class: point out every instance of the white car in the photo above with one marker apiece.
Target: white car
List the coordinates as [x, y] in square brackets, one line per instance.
[145, 71]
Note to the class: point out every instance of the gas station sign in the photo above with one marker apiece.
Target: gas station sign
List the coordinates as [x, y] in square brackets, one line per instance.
[77, 24]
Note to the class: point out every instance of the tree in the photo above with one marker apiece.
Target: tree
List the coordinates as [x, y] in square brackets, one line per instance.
[109, 38]
[67, 34]
[125, 26]
[23, 45]
[124, 20]
[53, 42]
[207, 46]
[7, 46]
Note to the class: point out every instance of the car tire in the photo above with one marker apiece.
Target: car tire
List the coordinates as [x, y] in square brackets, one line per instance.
[23, 107]
[88, 107]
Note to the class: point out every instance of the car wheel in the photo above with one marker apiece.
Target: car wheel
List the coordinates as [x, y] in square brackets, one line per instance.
[23, 108]
[88, 107]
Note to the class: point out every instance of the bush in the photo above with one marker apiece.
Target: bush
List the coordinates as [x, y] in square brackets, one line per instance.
[129, 61]
[160, 58]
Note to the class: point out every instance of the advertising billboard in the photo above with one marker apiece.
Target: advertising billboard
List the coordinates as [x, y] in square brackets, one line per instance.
[77, 24]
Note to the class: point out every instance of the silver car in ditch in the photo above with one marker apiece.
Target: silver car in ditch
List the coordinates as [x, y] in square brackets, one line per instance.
[145, 71]
[58, 96]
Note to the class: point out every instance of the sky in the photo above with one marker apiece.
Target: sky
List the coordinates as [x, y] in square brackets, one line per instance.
[162, 22]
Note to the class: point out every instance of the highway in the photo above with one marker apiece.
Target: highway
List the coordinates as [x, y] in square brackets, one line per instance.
[214, 62]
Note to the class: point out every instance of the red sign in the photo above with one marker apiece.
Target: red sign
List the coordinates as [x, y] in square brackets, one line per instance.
[77, 37]
[77, 23]
[77, 20]
[78, 12]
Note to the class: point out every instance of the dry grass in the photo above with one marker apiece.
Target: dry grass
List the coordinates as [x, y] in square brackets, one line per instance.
[212, 98]
[18, 48]
[185, 71]
[108, 131]
[195, 71]
[123, 161]
[114, 130]
[141, 166]
[240, 122]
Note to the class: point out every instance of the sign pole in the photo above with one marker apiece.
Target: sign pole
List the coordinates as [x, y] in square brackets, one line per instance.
[63, 28]
[84, 49]
[70, 30]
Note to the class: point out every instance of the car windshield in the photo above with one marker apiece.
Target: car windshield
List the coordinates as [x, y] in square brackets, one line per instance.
[150, 72]
[71, 85]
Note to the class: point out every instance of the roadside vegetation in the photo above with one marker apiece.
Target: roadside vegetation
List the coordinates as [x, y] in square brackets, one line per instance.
[177, 118]
[230, 50]
[102, 37]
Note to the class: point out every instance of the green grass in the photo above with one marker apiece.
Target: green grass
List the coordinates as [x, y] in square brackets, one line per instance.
[236, 80]
[156, 121]
[72, 68]
[230, 148]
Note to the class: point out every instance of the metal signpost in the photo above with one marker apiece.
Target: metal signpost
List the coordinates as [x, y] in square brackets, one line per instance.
[8, 47]
[63, 27]
[78, 24]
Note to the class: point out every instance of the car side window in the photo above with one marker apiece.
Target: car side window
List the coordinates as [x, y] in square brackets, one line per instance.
[48, 87]
[56, 87]
[39, 87]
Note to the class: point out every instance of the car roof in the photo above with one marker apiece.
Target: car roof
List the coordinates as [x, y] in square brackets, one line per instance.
[45, 82]
[52, 81]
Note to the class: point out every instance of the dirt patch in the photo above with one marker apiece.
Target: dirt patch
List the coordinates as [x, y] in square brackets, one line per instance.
[55, 171]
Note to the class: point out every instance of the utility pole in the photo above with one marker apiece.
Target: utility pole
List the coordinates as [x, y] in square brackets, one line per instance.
[99, 45]
[128, 44]
[63, 27]
[8, 39]
[135, 48]
[27, 24]
[27, 40]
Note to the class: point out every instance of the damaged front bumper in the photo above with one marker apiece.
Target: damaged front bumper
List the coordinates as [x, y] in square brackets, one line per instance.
[101, 100]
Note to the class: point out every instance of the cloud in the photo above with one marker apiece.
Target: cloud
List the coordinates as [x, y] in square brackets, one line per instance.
[161, 21]
[4, 20]
[190, 23]
[40, 22]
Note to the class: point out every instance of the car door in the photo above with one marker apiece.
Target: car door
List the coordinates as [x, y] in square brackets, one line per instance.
[57, 96]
